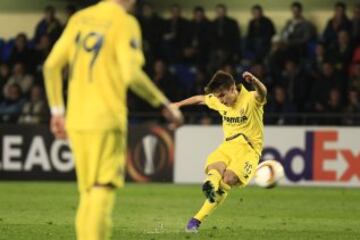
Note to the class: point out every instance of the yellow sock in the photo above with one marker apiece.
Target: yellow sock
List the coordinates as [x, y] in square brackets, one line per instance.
[81, 216]
[208, 207]
[214, 177]
[99, 213]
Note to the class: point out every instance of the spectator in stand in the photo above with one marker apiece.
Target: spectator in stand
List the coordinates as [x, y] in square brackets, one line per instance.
[20, 78]
[355, 77]
[42, 50]
[277, 57]
[352, 107]
[199, 114]
[225, 38]
[322, 86]
[166, 81]
[21, 52]
[4, 76]
[355, 23]
[339, 22]
[334, 106]
[49, 25]
[259, 70]
[356, 56]
[295, 83]
[282, 107]
[152, 28]
[176, 35]
[341, 52]
[199, 83]
[260, 32]
[229, 68]
[298, 31]
[10, 107]
[314, 64]
[198, 46]
[34, 111]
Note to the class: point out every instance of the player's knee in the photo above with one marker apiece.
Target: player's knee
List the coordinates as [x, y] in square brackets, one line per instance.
[230, 179]
[219, 166]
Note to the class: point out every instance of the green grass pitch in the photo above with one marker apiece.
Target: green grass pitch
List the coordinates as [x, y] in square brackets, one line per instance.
[160, 211]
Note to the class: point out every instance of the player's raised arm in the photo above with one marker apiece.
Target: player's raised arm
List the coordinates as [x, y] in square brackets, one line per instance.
[260, 89]
[195, 100]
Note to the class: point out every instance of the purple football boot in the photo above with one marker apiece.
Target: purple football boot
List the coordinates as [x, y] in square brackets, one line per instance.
[193, 226]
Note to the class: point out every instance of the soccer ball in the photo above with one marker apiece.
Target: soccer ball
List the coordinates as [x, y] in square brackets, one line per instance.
[269, 173]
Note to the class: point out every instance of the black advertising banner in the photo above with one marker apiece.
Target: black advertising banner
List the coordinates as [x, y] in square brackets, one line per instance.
[150, 154]
[31, 153]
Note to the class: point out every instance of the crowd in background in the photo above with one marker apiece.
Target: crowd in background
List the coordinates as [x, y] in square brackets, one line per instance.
[306, 71]
[22, 97]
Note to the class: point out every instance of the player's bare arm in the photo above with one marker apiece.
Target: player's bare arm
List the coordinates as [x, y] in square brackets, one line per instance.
[195, 100]
[260, 89]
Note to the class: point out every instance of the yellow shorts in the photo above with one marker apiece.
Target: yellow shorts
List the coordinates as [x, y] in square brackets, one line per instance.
[99, 157]
[238, 156]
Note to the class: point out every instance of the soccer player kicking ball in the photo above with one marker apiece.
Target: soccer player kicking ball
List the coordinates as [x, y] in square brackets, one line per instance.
[234, 162]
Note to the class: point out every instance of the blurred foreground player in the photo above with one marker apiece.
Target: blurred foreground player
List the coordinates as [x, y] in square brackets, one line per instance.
[101, 45]
[234, 162]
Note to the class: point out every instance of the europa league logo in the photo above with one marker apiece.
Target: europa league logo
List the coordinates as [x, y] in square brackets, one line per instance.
[151, 154]
[149, 143]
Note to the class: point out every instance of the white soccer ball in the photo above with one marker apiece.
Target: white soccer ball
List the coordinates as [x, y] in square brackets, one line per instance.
[269, 173]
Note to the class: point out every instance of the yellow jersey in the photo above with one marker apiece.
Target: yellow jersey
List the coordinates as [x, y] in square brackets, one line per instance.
[245, 117]
[102, 47]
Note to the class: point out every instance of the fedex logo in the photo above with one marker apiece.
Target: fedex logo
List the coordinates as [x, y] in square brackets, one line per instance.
[316, 155]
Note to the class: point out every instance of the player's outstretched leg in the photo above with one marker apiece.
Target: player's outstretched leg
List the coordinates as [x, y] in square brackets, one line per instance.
[229, 180]
[208, 208]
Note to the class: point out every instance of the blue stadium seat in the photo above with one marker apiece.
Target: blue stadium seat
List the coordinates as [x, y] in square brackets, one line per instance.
[185, 73]
[311, 47]
[6, 51]
[2, 43]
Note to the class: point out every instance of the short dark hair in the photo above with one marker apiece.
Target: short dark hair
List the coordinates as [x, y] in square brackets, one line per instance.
[297, 5]
[50, 8]
[257, 7]
[220, 81]
[341, 5]
[221, 5]
[199, 9]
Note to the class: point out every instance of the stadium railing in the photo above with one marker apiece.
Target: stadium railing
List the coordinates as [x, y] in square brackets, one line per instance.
[206, 118]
